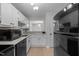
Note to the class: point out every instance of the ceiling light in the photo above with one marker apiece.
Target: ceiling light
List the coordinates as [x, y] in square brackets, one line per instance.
[35, 8]
[64, 9]
[39, 25]
[74, 3]
[32, 4]
[69, 6]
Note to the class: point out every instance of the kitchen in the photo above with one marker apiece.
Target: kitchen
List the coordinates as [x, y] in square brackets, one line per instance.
[39, 29]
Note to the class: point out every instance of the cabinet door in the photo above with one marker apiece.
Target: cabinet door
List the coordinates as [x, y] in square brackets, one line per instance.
[57, 40]
[43, 40]
[28, 44]
[38, 41]
[21, 48]
[5, 13]
[63, 42]
[35, 42]
[58, 51]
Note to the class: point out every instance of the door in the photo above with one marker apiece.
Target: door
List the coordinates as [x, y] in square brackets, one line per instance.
[51, 34]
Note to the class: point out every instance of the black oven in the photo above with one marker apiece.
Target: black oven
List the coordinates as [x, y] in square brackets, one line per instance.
[6, 50]
[72, 46]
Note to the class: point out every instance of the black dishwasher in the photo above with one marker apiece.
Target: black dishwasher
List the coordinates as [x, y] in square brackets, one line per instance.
[72, 46]
[6, 50]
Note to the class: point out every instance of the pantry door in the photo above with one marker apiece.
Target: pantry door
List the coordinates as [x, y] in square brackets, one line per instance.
[51, 34]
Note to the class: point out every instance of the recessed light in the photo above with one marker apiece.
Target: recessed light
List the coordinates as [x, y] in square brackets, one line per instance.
[39, 25]
[64, 9]
[74, 3]
[35, 8]
[32, 4]
[69, 6]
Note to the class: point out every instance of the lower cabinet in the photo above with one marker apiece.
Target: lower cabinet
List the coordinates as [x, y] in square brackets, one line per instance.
[38, 41]
[59, 51]
[60, 45]
[20, 48]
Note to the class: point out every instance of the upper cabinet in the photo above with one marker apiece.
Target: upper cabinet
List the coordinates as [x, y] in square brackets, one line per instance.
[12, 16]
[6, 14]
[68, 17]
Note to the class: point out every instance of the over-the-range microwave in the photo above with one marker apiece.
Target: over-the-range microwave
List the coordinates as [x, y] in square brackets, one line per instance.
[9, 34]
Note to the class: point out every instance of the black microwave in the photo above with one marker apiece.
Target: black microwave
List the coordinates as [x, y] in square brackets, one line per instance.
[9, 34]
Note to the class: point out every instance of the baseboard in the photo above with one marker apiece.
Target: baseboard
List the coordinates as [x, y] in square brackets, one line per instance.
[41, 47]
[37, 46]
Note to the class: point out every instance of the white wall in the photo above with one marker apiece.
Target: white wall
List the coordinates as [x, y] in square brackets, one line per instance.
[37, 21]
[36, 25]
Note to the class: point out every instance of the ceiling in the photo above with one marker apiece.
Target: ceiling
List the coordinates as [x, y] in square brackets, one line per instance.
[28, 11]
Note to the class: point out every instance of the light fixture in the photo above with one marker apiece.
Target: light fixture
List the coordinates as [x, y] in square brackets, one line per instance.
[65, 9]
[74, 3]
[69, 6]
[35, 8]
[32, 4]
[39, 25]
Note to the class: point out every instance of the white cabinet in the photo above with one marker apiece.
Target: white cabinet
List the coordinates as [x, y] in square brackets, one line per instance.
[10, 15]
[35, 41]
[28, 43]
[5, 14]
[38, 40]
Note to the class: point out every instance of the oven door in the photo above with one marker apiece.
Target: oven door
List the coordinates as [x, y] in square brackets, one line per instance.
[73, 46]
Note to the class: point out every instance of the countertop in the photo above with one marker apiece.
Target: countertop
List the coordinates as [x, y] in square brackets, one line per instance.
[14, 42]
[66, 33]
[74, 35]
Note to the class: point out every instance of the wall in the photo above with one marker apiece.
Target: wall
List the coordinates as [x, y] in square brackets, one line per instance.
[36, 25]
[37, 21]
[72, 17]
